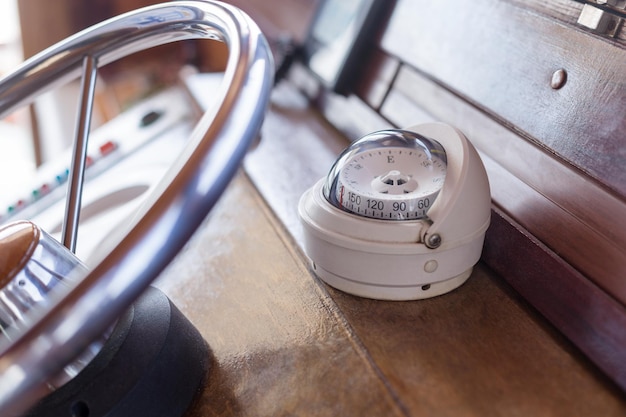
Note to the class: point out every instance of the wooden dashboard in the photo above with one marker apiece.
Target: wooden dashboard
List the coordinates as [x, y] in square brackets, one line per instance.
[283, 343]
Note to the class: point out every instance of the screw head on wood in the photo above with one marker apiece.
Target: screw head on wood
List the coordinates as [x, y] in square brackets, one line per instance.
[559, 77]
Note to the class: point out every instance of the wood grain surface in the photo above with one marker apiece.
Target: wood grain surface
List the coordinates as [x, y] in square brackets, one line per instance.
[487, 71]
[285, 344]
[501, 57]
[279, 344]
[299, 147]
[566, 211]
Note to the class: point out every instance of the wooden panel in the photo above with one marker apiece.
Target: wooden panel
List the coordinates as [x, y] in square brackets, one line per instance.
[278, 343]
[503, 57]
[578, 225]
[476, 351]
[581, 310]
[566, 11]
[528, 182]
[297, 151]
[293, 154]
[349, 114]
[285, 344]
[291, 157]
[376, 78]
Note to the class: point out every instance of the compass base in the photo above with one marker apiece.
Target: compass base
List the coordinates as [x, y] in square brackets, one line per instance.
[391, 293]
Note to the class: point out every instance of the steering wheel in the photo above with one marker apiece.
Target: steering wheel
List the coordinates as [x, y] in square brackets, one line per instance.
[178, 204]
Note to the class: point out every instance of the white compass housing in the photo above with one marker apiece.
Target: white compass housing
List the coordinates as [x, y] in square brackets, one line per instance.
[401, 215]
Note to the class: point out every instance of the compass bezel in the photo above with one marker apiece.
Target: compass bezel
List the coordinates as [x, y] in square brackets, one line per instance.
[417, 203]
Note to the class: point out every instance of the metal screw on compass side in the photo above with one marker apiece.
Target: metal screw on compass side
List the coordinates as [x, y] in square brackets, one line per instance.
[433, 241]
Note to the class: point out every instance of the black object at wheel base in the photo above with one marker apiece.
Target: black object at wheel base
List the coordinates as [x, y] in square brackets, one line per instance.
[153, 365]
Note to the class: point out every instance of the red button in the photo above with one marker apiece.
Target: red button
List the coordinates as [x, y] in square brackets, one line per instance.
[107, 147]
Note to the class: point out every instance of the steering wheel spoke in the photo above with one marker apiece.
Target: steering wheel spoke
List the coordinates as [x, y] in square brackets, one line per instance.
[76, 178]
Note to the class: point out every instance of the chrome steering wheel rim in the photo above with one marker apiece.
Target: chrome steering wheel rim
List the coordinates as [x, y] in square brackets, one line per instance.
[179, 203]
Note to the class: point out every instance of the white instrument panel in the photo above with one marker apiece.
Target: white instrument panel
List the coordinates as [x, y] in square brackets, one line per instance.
[126, 157]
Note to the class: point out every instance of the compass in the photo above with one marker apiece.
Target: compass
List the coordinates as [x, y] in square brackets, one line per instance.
[388, 175]
[401, 215]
